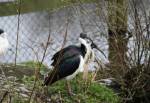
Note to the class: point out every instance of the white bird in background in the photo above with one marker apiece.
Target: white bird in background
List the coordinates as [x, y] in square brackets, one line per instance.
[4, 44]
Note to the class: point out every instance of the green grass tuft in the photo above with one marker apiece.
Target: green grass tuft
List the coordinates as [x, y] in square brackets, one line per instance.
[33, 64]
[85, 92]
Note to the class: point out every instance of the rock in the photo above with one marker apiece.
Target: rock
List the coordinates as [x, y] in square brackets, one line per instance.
[23, 89]
[111, 83]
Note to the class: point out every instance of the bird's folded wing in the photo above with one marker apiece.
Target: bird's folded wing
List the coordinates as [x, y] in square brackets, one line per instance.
[65, 68]
[64, 54]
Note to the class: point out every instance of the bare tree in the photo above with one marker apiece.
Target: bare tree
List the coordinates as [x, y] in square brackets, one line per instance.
[117, 29]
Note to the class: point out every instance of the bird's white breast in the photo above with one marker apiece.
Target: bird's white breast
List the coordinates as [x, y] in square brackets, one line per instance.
[4, 45]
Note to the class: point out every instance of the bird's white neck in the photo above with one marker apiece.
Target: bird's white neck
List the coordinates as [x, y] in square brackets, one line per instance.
[84, 42]
[88, 49]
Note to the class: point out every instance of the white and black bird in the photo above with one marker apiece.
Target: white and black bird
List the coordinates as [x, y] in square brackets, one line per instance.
[69, 61]
[4, 44]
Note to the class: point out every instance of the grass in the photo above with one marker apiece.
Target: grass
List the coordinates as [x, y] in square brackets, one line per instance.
[85, 92]
[34, 64]
[88, 92]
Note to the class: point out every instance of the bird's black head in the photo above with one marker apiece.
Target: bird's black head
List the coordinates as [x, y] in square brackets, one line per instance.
[1, 31]
[83, 35]
[93, 45]
[88, 40]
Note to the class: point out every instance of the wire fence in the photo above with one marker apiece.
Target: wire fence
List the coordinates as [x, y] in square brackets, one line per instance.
[28, 33]
[35, 34]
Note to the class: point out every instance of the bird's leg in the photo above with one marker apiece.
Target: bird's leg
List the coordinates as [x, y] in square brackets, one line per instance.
[85, 73]
[91, 58]
[69, 88]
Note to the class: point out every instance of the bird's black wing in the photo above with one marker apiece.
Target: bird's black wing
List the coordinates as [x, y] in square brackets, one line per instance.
[64, 53]
[65, 68]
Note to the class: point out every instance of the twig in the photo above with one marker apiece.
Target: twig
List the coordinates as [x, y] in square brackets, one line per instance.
[38, 69]
[3, 97]
[18, 27]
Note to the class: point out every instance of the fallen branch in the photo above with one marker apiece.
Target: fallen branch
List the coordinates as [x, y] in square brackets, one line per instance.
[3, 97]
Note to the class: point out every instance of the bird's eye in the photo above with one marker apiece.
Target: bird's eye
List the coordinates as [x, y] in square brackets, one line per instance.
[88, 41]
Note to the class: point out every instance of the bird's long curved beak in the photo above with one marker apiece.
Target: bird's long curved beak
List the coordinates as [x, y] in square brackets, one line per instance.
[101, 51]
[96, 47]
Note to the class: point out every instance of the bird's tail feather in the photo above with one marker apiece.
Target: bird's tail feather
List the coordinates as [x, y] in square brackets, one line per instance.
[51, 78]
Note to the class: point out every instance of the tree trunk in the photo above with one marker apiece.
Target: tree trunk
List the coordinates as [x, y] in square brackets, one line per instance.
[117, 28]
